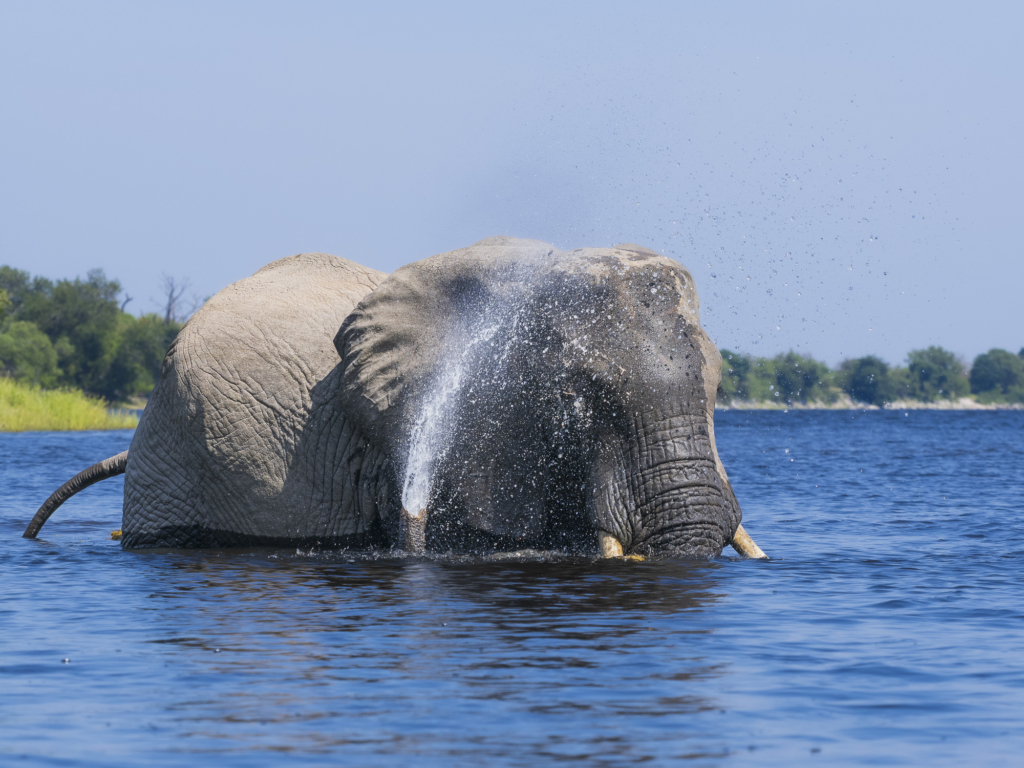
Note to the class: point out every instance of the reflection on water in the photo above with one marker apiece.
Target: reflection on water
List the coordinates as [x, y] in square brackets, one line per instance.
[414, 651]
[313, 653]
[887, 628]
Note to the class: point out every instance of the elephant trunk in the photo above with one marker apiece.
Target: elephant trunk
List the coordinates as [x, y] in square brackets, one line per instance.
[661, 488]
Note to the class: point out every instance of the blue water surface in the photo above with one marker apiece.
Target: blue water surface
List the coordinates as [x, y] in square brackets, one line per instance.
[887, 629]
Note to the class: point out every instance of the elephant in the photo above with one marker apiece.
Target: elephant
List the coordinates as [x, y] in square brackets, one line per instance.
[502, 397]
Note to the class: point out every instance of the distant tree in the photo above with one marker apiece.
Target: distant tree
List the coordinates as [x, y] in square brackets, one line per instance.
[136, 365]
[5, 304]
[26, 354]
[867, 380]
[14, 281]
[176, 308]
[996, 372]
[81, 320]
[901, 383]
[795, 376]
[936, 374]
[801, 379]
[735, 369]
[81, 325]
[760, 380]
[786, 378]
[17, 285]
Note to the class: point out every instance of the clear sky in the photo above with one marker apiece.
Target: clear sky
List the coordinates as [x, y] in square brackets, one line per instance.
[841, 178]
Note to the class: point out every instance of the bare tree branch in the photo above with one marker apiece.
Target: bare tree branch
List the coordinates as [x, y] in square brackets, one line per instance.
[172, 290]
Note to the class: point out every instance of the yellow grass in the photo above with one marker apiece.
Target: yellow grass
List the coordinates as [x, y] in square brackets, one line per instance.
[24, 408]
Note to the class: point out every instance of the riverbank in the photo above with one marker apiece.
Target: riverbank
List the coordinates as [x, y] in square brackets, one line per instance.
[24, 408]
[847, 404]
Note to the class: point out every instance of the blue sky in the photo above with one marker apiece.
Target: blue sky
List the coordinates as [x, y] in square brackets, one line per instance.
[840, 178]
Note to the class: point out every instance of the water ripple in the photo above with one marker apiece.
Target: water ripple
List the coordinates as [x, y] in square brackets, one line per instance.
[887, 628]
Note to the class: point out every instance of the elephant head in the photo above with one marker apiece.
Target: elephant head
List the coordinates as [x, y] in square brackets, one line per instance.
[527, 396]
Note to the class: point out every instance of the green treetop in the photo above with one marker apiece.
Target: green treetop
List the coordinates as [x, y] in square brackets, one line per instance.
[73, 333]
[998, 376]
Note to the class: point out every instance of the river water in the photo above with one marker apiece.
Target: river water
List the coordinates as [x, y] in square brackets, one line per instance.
[888, 628]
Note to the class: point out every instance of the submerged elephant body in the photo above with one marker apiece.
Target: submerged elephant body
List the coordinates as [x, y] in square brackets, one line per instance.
[213, 459]
[522, 396]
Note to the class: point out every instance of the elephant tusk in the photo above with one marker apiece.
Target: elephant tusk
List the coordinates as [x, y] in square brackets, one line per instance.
[745, 545]
[412, 531]
[608, 544]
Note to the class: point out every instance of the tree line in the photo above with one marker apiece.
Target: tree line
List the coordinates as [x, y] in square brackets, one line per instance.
[931, 374]
[76, 334]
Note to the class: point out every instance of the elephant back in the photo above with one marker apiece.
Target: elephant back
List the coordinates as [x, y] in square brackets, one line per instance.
[214, 445]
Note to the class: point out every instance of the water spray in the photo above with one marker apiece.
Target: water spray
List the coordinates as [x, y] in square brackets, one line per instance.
[433, 432]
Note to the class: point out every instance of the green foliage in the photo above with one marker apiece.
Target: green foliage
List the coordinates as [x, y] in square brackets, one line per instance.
[14, 284]
[998, 376]
[931, 374]
[27, 355]
[936, 374]
[5, 304]
[85, 314]
[902, 384]
[788, 378]
[868, 380]
[735, 370]
[137, 361]
[996, 369]
[79, 327]
[802, 379]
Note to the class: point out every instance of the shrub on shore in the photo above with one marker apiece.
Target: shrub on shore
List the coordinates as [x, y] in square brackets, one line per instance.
[936, 374]
[868, 380]
[788, 378]
[25, 408]
[997, 376]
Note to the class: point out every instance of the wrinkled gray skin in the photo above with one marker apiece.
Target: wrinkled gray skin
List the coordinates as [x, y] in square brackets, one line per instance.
[588, 406]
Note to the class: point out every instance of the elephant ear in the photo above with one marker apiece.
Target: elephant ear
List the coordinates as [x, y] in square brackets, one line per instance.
[400, 337]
